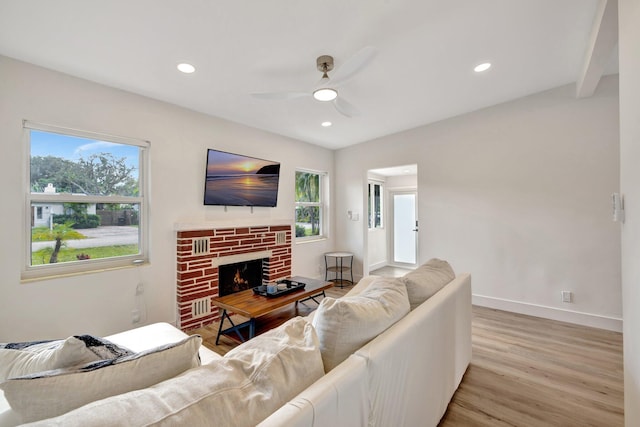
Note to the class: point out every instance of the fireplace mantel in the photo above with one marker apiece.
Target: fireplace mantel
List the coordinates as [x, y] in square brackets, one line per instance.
[232, 259]
[229, 223]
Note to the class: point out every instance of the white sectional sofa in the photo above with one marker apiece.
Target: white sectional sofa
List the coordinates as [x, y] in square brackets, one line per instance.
[404, 376]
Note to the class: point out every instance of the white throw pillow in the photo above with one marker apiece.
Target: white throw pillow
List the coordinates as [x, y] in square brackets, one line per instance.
[361, 285]
[242, 389]
[357, 289]
[52, 393]
[346, 324]
[426, 280]
[24, 358]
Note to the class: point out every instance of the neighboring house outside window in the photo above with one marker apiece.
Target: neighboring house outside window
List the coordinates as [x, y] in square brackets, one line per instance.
[86, 194]
[375, 205]
[310, 205]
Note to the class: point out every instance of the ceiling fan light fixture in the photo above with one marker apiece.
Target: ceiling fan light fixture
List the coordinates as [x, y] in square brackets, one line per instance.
[325, 94]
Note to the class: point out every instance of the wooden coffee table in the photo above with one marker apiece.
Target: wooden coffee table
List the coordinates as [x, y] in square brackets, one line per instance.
[248, 304]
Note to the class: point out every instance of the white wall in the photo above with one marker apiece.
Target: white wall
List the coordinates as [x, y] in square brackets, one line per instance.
[101, 303]
[518, 195]
[377, 244]
[629, 46]
[402, 182]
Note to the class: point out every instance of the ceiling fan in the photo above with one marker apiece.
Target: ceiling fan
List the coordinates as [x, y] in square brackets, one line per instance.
[326, 89]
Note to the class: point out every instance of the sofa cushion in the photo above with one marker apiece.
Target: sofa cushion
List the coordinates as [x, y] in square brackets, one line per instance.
[280, 364]
[426, 280]
[240, 389]
[355, 290]
[346, 324]
[151, 336]
[24, 358]
[51, 393]
[361, 285]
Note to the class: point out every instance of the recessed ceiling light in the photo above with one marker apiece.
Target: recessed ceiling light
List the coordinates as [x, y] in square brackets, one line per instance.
[186, 68]
[326, 124]
[482, 67]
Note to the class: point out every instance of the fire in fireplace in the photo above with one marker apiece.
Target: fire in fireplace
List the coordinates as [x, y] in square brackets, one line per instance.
[239, 276]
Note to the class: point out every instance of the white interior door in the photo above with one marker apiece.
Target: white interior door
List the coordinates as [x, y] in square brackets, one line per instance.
[405, 228]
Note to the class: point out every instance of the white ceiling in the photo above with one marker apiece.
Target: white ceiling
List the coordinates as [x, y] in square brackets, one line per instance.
[426, 50]
[396, 170]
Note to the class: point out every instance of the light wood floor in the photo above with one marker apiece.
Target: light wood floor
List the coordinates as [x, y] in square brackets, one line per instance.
[525, 371]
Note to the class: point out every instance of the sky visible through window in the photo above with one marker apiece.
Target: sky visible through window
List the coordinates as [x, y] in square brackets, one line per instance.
[73, 148]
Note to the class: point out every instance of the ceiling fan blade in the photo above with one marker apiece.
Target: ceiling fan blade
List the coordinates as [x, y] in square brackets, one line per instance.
[353, 65]
[279, 96]
[345, 108]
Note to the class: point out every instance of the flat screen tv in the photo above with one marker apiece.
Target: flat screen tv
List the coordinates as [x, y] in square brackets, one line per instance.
[237, 180]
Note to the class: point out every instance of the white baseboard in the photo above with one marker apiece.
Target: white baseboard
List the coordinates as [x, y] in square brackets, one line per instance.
[378, 265]
[579, 318]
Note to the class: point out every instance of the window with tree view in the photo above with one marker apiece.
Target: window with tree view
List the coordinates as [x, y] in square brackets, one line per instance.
[375, 205]
[86, 201]
[309, 204]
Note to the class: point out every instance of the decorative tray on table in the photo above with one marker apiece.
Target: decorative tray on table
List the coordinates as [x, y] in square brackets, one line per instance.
[282, 287]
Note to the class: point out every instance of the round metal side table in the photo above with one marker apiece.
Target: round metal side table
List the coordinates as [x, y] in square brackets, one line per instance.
[338, 263]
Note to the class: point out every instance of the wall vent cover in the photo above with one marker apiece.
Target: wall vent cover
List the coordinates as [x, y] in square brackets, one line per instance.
[200, 246]
[281, 238]
[200, 307]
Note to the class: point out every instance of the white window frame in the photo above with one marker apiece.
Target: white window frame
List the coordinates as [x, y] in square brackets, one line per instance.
[322, 204]
[371, 202]
[29, 272]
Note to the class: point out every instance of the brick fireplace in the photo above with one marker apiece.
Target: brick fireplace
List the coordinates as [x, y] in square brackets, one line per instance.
[201, 252]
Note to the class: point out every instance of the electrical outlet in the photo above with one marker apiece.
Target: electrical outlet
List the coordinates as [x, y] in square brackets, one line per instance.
[140, 288]
[567, 296]
[135, 316]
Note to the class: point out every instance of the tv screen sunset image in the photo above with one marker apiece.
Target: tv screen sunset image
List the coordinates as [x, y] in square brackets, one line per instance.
[236, 180]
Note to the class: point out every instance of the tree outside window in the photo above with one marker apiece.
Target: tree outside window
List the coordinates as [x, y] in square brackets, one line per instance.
[309, 204]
